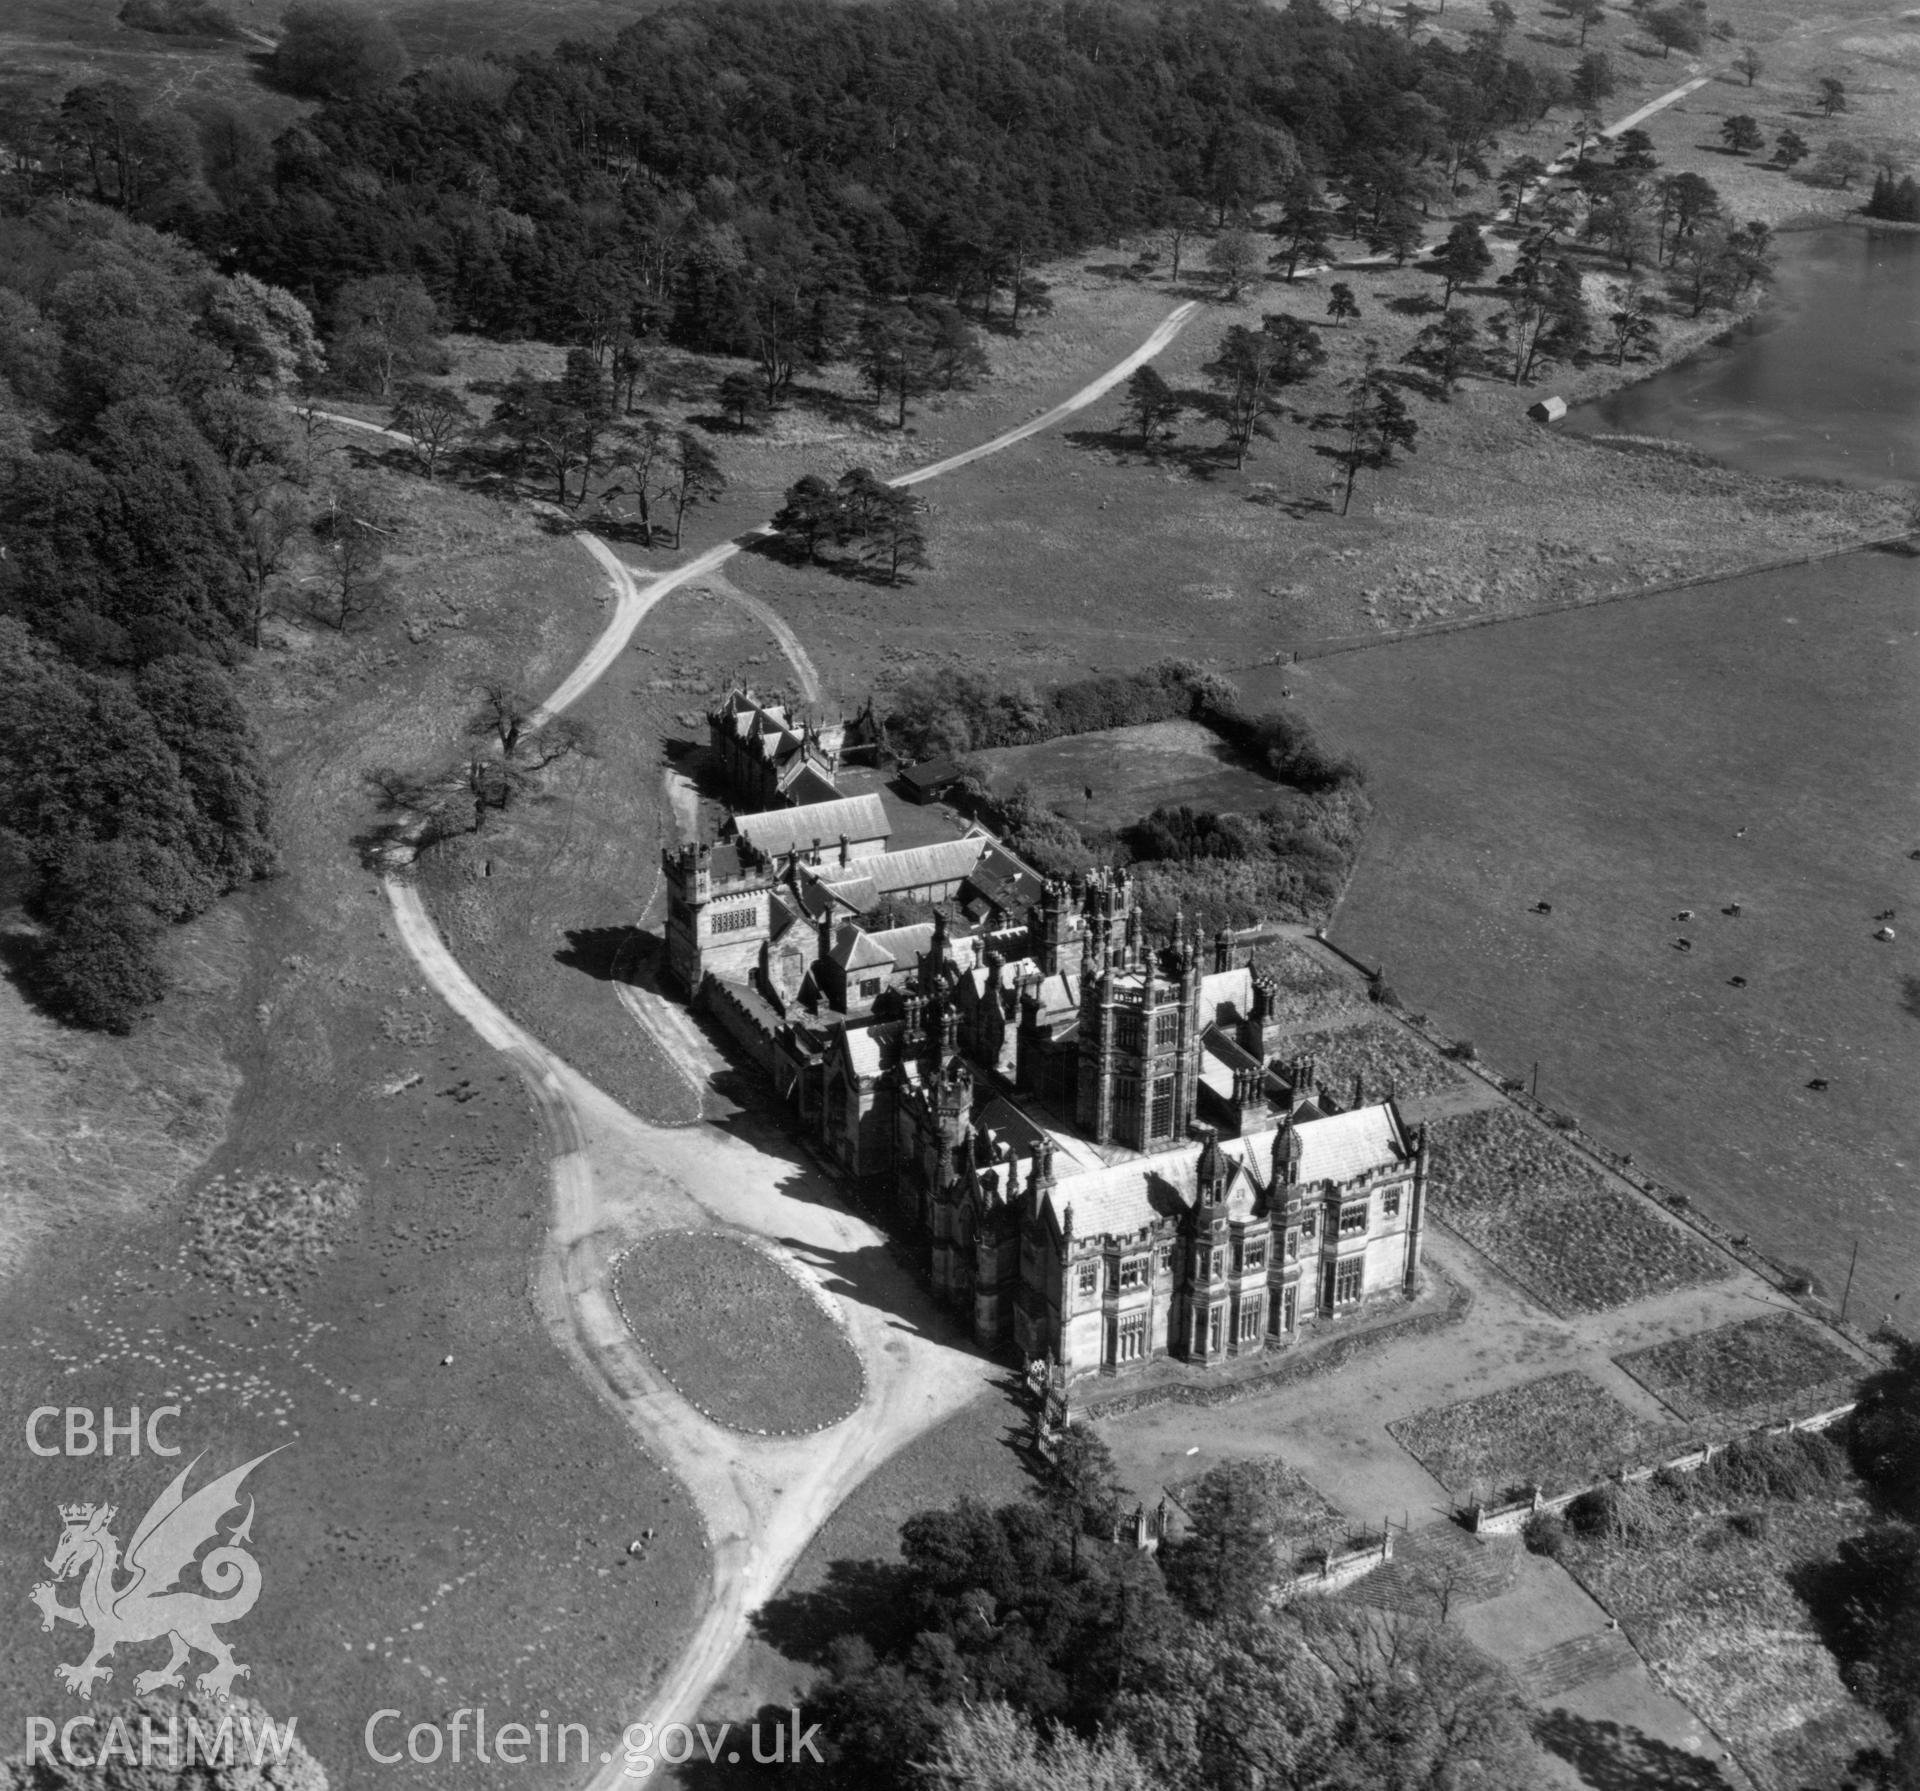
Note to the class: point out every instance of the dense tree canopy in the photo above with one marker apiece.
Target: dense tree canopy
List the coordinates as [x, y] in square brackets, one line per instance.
[748, 176]
[131, 783]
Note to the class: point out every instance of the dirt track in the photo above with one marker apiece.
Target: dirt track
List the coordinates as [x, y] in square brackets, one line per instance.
[617, 1178]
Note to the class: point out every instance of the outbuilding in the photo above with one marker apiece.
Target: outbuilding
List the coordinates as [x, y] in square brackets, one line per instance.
[930, 781]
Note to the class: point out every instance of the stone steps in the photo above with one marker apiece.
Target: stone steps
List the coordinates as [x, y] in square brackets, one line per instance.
[1441, 1564]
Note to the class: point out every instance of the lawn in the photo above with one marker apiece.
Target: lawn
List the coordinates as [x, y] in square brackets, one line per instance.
[1576, 1240]
[1718, 1612]
[1383, 1054]
[1753, 1366]
[738, 1333]
[1131, 772]
[1748, 743]
[1557, 1433]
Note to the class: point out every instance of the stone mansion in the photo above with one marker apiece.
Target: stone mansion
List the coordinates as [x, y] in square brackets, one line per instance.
[1096, 1136]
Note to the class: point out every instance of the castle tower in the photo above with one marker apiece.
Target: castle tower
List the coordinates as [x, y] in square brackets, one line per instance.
[1094, 1085]
[717, 914]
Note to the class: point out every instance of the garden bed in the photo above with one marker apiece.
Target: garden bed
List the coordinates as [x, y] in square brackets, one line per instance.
[1708, 1598]
[737, 1334]
[1384, 1055]
[1311, 991]
[1752, 1366]
[1571, 1237]
[1557, 1433]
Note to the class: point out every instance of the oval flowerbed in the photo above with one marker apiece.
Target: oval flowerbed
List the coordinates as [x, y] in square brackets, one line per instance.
[737, 1334]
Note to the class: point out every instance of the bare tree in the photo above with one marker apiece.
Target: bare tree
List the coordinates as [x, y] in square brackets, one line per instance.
[352, 584]
[265, 537]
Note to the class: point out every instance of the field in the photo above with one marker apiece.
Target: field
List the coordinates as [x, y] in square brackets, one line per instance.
[1576, 1240]
[1557, 1433]
[1385, 1055]
[737, 1333]
[1763, 1363]
[1728, 1617]
[397, 1348]
[1131, 772]
[1312, 991]
[1745, 743]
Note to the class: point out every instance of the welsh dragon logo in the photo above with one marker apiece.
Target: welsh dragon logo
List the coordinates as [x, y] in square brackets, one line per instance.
[148, 1606]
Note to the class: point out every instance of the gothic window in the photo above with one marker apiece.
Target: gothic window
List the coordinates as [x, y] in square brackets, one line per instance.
[1250, 1312]
[1217, 1262]
[1346, 1281]
[732, 920]
[1133, 1273]
[1254, 1256]
[1126, 1106]
[1390, 1204]
[869, 987]
[1126, 1032]
[1353, 1219]
[1166, 1026]
[1163, 1260]
[1284, 1311]
[1310, 1224]
[1088, 1279]
[1132, 1342]
[1293, 1245]
[1162, 1108]
[1214, 1318]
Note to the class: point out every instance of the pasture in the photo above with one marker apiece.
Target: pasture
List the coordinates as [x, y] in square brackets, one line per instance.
[1131, 772]
[1746, 743]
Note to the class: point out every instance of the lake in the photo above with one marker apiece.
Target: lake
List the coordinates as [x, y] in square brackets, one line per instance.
[1826, 385]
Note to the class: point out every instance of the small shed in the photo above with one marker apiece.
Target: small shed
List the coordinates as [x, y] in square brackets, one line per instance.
[930, 781]
[1548, 410]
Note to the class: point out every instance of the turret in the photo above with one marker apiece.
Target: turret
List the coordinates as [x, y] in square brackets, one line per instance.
[1222, 952]
[1211, 1172]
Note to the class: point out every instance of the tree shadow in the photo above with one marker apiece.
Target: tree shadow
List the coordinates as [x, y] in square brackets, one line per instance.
[596, 951]
[1612, 1756]
[1414, 304]
[857, 1598]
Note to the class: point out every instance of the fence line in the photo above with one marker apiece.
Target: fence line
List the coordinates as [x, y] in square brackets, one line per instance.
[1331, 645]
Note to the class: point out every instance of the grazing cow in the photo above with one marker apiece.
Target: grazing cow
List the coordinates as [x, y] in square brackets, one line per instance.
[1738, 982]
[1684, 914]
[1732, 908]
[1683, 945]
[1817, 1084]
[1884, 935]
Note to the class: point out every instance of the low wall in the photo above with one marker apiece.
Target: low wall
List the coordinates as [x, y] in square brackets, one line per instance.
[1509, 1519]
[1336, 1572]
[743, 1017]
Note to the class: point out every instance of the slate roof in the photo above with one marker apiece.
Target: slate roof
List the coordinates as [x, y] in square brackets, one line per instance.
[1121, 1198]
[783, 830]
[854, 950]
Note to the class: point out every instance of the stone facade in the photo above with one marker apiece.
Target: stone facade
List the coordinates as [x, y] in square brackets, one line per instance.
[1094, 1136]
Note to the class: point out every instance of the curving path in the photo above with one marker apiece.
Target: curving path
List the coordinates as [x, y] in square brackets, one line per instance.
[617, 1177]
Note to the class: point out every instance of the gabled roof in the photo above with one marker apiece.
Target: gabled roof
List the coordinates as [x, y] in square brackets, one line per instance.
[1226, 995]
[1121, 1198]
[854, 950]
[1345, 1145]
[806, 784]
[1005, 881]
[918, 867]
[783, 830]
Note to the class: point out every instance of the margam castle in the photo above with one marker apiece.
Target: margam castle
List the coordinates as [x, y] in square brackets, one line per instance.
[1094, 1132]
